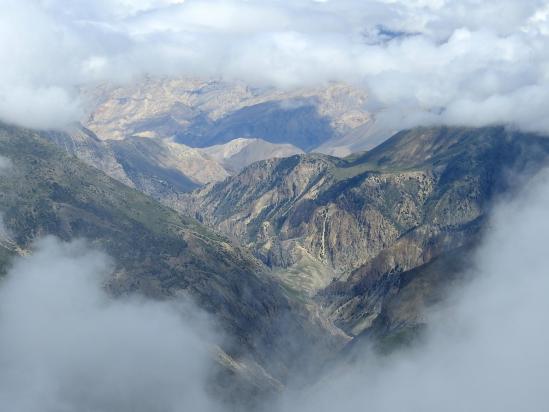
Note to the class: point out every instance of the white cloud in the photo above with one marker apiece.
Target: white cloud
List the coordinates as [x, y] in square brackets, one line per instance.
[42, 108]
[459, 61]
[67, 346]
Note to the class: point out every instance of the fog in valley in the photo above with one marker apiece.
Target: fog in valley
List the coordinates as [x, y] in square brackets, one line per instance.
[66, 345]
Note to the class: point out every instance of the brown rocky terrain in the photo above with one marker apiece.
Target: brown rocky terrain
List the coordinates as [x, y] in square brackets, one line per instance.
[346, 231]
[161, 107]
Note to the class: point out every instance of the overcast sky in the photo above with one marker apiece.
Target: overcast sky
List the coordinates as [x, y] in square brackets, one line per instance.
[454, 61]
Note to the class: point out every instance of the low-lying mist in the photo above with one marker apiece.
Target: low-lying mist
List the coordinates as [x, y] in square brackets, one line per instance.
[67, 346]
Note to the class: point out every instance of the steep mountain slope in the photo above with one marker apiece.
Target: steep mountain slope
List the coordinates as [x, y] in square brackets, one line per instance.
[348, 228]
[157, 252]
[160, 168]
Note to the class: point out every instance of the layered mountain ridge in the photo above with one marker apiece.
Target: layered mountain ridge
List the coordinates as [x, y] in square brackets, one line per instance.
[172, 135]
[343, 231]
[203, 113]
[158, 253]
[302, 254]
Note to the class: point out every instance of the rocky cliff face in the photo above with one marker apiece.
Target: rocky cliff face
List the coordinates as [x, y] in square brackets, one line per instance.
[304, 207]
[345, 230]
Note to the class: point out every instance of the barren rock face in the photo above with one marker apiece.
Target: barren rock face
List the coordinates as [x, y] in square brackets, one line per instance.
[345, 230]
[284, 206]
[209, 112]
[168, 136]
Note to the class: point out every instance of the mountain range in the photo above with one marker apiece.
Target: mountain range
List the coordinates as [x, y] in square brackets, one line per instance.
[158, 253]
[202, 113]
[347, 232]
[233, 197]
[166, 136]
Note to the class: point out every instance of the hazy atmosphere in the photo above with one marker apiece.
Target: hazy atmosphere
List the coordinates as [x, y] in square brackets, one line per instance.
[463, 62]
[274, 205]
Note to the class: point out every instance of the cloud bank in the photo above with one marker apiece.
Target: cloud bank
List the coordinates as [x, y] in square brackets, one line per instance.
[485, 351]
[67, 346]
[425, 61]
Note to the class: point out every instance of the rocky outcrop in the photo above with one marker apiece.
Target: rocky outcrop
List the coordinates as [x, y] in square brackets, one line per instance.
[344, 230]
[302, 206]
